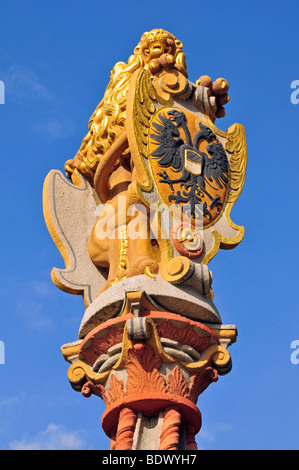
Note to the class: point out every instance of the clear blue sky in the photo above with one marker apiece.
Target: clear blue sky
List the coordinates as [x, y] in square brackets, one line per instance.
[55, 60]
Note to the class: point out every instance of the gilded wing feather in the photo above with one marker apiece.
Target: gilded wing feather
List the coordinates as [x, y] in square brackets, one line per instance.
[143, 109]
[236, 146]
[140, 108]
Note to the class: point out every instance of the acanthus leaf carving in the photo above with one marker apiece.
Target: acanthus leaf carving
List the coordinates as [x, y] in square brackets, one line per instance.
[143, 377]
[199, 382]
[177, 385]
[142, 368]
[116, 390]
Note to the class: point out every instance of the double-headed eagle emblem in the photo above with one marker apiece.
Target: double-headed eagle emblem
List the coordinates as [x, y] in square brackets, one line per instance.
[197, 170]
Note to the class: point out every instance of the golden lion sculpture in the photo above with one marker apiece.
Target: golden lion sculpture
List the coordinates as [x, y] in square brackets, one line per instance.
[106, 158]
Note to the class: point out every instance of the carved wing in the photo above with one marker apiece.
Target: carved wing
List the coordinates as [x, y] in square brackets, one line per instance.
[70, 213]
[168, 151]
[216, 167]
[236, 146]
[226, 233]
[140, 108]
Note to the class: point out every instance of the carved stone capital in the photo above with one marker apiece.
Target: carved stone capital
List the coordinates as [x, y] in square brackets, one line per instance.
[150, 363]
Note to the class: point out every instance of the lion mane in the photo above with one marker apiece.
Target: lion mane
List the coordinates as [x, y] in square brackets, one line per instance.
[107, 122]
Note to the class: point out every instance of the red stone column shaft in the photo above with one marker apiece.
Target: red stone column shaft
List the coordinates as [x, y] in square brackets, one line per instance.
[169, 439]
[125, 430]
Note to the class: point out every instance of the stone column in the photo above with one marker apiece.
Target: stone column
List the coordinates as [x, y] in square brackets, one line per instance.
[146, 207]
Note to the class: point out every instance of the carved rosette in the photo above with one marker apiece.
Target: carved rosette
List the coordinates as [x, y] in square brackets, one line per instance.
[139, 370]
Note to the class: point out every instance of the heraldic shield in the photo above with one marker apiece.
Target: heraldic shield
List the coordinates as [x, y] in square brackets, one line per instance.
[186, 164]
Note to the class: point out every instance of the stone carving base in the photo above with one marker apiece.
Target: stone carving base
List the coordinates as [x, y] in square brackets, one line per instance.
[157, 294]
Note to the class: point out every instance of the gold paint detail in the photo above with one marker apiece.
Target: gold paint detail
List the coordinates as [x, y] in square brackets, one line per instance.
[226, 334]
[79, 373]
[76, 180]
[147, 272]
[116, 280]
[123, 258]
[170, 84]
[161, 49]
[211, 294]
[153, 341]
[176, 270]
[144, 107]
[140, 298]
[107, 122]
[215, 355]
[70, 351]
[141, 106]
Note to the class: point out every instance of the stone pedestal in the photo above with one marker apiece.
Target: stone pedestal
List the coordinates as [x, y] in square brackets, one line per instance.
[149, 367]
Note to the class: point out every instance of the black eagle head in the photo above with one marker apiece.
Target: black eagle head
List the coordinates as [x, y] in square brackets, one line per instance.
[177, 116]
[206, 133]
